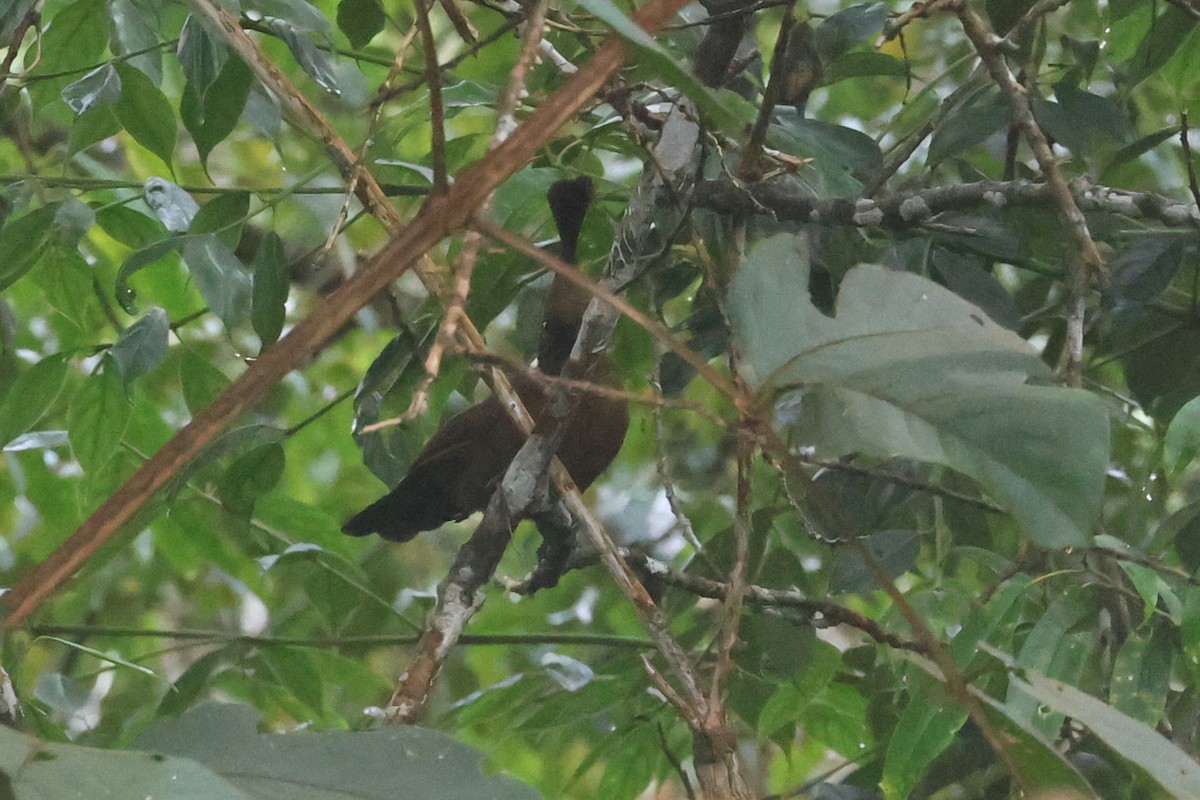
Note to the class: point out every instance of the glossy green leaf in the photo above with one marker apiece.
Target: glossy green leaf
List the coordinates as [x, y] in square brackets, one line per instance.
[98, 417]
[906, 368]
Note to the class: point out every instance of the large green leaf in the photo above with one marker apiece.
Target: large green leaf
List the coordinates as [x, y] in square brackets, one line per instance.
[396, 761]
[906, 368]
[31, 769]
[1171, 767]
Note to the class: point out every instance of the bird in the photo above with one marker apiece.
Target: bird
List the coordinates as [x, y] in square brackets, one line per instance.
[459, 468]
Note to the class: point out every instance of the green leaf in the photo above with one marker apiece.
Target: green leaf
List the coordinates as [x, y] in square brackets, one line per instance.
[1169, 30]
[247, 436]
[98, 418]
[142, 345]
[316, 62]
[270, 289]
[135, 30]
[926, 727]
[359, 764]
[170, 203]
[210, 117]
[140, 259]
[31, 396]
[129, 227]
[1172, 768]
[669, 70]
[220, 277]
[203, 57]
[201, 381]
[846, 28]
[100, 87]
[360, 20]
[34, 768]
[842, 155]
[252, 475]
[906, 368]
[895, 552]
[146, 113]
[223, 216]
[293, 670]
[75, 40]
[21, 242]
[965, 129]
[1141, 674]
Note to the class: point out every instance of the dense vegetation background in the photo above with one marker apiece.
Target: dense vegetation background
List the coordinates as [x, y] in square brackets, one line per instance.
[924, 524]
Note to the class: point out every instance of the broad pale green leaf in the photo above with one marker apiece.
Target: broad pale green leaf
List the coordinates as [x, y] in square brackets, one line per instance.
[98, 418]
[906, 368]
[330, 765]
[31, 396]
[146, 113]
[270, 289]
[142, 345]
[100, 87]
[220, 277]
[1173, 769]
[36, 769]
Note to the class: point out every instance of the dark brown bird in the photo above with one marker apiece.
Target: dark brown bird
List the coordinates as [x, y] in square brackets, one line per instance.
[460, 467]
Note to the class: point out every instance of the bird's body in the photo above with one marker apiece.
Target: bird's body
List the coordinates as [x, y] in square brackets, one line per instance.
[459, 468]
